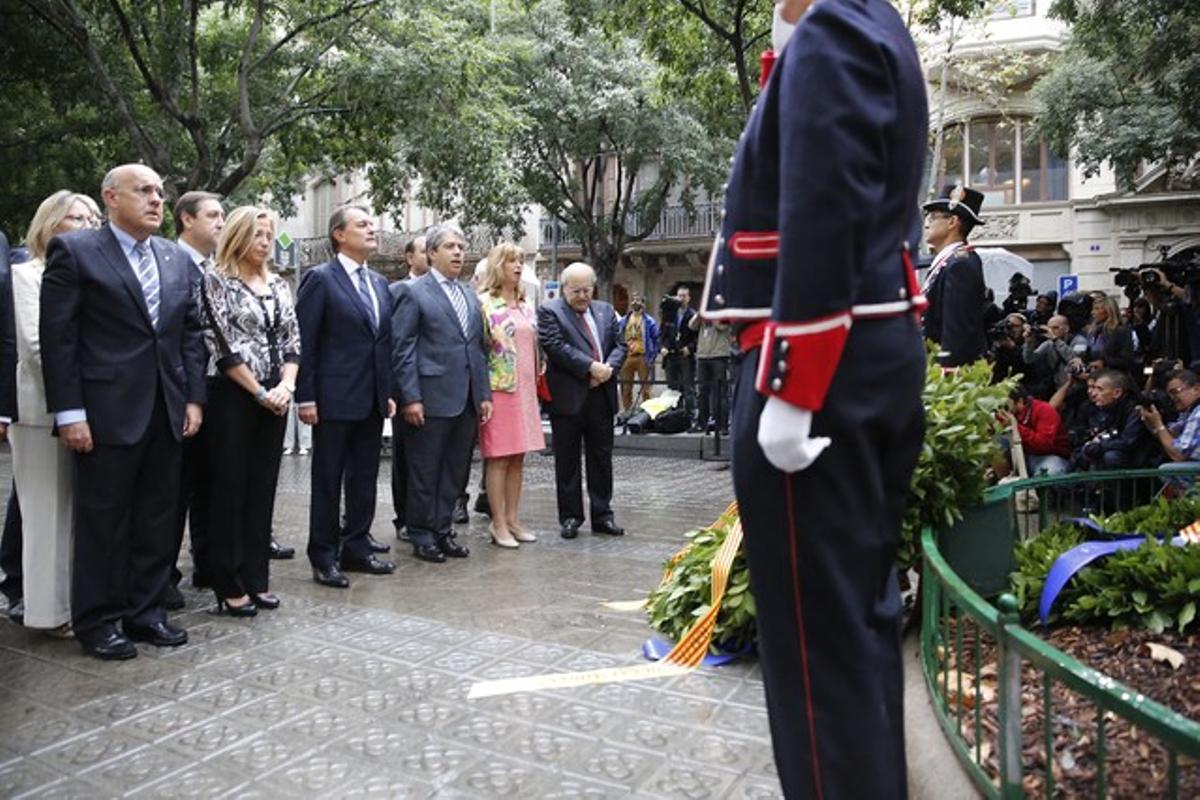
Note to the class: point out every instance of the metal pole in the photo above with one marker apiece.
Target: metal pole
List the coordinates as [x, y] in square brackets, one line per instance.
[554, 247]
[1010, 702]
[493, 16]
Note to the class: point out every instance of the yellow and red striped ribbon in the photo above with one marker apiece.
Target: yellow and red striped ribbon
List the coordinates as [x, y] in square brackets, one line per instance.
[685, 656]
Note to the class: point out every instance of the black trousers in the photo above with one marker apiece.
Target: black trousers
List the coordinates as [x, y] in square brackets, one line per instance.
[125, 508]
[194, 488]
[681, 376]
[12, 585]
[399, 470]
[820, 545]
[343, 451]
[439, 463]
[591, 430]
[712, 375]
[246, 445]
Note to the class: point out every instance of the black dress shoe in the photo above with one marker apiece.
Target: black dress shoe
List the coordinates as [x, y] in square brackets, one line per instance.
[482, 506]
[428, 552]
[267, 602]
[159, 634]
[244, 610]
[280, 552]
[609, 527]
[460, 511]
[402, 533]
[452, 548]
[172, 599]
[570, 528]
[377, 546]
[331, 576]
[16, 611]
[107, 645]
[370, 564]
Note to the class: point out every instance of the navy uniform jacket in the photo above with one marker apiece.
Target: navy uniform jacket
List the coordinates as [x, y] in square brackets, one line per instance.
[957, 296]
[822, 196]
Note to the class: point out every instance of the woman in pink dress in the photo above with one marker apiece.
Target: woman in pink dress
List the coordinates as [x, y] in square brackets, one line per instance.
[515, 427]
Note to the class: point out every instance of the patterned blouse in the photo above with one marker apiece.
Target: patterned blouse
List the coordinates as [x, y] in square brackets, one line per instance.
[499, 332]
[242, 327]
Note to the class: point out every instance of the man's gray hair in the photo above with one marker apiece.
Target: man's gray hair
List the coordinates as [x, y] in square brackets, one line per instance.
[436, 234]
[337, 220]
[579, 270]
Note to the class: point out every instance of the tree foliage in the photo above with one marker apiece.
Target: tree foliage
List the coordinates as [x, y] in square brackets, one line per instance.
[1126, 88]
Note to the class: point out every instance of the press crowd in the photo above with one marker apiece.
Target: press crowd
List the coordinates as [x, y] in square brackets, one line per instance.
[146, 386]
[1097, 386]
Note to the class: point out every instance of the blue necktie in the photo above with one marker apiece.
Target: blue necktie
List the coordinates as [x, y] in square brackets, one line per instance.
[365, 294]
[147, 275]
[460, 304]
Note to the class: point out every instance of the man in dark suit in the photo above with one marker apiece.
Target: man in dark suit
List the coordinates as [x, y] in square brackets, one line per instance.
[679, 348]
[439, 366]
[11, 585]
[584, 349]
[954, 284]
[418, 264]
[124, 370]
[812, 261]
[343, 391]
[199, 218]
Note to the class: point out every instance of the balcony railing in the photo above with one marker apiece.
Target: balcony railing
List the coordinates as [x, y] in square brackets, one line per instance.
[675, 223]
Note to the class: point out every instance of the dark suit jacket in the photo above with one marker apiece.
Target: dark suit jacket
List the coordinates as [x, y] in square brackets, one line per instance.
[343, 361]
[8, 339]
[99, 349]
[564, 337]
[433, 363]
[957, 298]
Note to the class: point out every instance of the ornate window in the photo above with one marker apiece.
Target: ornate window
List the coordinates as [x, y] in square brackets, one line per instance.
[1009, 9]
[1001, 158]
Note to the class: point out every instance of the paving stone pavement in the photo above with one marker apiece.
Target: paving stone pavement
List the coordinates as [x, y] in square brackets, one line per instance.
[362, 692]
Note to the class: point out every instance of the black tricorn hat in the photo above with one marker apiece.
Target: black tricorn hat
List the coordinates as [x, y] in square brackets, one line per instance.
[960, 200]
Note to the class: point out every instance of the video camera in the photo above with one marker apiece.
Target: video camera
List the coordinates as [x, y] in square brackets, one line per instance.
[1179, 270]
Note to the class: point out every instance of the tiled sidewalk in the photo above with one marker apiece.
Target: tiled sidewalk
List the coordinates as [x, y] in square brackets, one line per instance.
[362, 692]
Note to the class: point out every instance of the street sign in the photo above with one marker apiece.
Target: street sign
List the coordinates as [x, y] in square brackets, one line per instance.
[1067, 284]
[285, 251]
[551, 290]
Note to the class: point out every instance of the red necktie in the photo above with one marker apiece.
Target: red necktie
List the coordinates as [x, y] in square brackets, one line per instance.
[591, 339]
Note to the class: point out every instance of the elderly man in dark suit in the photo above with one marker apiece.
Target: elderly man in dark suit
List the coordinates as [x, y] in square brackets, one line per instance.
[124, 370]
[439, 366]
[584, 348]
[343, 391]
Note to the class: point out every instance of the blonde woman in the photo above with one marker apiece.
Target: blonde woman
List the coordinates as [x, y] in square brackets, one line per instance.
[510, 333]
[1108, 340]
[255, 338]
[41, 467]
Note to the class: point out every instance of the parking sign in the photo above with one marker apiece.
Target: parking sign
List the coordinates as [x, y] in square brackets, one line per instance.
[1067, 284]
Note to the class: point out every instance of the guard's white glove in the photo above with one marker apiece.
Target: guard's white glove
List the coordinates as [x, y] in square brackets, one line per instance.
[783, 435]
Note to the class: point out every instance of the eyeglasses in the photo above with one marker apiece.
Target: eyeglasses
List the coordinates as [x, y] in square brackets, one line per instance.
[86, 220]
[1178, 390]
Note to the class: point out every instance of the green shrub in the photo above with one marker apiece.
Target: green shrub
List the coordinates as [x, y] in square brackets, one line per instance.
[1155, 586]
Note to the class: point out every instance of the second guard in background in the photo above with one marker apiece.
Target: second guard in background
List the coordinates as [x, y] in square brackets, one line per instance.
[812, 264]
[954, 284]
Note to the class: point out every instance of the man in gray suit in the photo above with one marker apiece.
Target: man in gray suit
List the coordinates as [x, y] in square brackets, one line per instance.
[439, 366]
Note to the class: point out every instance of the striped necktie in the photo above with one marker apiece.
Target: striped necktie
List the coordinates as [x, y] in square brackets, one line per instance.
[460, 304]
[365, 294]
[147, 275]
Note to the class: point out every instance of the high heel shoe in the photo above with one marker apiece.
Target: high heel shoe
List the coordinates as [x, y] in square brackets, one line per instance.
[511, 544]
[267, 601]
[247, 609]
[521, 535]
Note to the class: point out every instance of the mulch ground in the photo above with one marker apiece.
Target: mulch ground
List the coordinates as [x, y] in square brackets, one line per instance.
[1135, 763]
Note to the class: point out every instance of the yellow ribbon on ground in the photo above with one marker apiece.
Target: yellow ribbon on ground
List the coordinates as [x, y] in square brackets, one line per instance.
[684, 656]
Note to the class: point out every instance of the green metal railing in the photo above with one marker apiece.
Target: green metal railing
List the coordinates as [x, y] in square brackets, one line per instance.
[959, 629]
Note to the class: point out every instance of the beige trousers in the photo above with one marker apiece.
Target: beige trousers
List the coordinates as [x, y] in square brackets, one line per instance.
[42, 471]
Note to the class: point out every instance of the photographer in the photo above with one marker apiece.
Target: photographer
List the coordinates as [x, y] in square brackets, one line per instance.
[1043, 437]
[1043, 308]
[1019, 292]
[1115, 436]
[1005, 350]
[1179, 440]
[1047, 351]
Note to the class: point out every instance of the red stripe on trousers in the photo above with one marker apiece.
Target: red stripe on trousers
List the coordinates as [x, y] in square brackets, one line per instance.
[808, 703]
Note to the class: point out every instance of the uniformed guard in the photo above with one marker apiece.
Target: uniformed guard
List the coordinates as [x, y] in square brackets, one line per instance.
[954, 284]
[812, 262]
